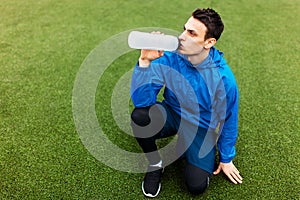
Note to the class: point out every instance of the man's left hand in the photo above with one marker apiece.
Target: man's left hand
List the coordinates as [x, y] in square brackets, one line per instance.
[231, 172]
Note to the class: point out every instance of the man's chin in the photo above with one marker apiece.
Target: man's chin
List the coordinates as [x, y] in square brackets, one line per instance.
[181, 51]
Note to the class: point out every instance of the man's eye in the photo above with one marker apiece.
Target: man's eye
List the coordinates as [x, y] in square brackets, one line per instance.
[192, 33]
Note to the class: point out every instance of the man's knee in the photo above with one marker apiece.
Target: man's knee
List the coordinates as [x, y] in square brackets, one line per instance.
[140, 116]
[152, 114]
[198, 188]
[196, 179]
[147, 122]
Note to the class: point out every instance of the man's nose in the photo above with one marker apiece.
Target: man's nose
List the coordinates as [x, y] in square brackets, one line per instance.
[182, 36]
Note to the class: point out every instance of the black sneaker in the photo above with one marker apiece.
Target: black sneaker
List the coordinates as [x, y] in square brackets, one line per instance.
[151, 184]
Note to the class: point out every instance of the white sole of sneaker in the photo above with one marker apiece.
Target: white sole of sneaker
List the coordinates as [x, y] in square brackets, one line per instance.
[148, 194]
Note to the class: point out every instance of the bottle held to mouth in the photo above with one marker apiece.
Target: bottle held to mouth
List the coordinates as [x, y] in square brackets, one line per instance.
[151, 41]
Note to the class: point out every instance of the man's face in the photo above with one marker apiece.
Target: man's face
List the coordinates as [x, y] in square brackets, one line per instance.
[192, 38]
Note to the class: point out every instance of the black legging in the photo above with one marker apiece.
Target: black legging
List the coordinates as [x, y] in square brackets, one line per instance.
[196, 179]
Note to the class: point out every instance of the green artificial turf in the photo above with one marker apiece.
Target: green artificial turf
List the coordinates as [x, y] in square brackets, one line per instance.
[42, 46]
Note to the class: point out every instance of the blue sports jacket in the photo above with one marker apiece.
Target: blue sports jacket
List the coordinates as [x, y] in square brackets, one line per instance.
[205, 95]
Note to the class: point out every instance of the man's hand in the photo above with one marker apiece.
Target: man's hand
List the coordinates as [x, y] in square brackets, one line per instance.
[147, 56]
[231, 172]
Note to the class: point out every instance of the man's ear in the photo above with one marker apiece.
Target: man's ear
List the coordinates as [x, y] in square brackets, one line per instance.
[210, 42]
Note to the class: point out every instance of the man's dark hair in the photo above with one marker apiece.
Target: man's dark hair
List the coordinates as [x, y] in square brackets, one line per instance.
[212, 20]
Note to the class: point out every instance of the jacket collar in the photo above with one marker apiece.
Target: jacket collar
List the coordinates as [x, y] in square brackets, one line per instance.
[214, 59]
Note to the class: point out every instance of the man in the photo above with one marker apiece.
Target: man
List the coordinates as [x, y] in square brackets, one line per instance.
[200, 105]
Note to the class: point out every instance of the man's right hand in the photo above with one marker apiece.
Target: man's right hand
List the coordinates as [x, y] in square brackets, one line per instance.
[147, 56]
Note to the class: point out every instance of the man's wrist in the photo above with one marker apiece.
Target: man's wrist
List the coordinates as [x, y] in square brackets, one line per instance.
[228, 160]
[144, 63]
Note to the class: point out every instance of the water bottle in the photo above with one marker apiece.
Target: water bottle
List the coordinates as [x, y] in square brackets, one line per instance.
[150, 41]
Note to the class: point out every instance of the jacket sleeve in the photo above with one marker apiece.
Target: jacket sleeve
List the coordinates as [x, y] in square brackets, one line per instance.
[229, 132]
[146, 84]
